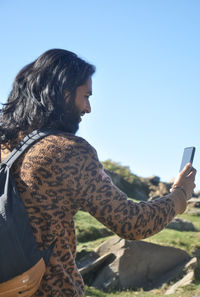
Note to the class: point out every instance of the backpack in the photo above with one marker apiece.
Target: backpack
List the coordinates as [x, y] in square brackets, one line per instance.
[22, 264]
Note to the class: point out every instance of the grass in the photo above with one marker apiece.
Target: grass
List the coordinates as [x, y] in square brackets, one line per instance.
[190, 291]
[195, 219]
[187, 241]
[92, 233]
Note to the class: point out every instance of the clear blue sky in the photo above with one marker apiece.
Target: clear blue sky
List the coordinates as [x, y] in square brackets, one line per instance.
[146, 102]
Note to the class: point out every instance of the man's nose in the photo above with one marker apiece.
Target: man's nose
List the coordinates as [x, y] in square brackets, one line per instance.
[87, 107]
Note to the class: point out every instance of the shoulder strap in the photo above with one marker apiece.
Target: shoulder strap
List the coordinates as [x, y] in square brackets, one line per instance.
[25, 144]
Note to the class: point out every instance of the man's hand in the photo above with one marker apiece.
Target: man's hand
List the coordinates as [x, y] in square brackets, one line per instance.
[185, 181]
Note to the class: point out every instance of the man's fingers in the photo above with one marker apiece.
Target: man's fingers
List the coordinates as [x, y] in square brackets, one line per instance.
[192, 173]
[187, 168]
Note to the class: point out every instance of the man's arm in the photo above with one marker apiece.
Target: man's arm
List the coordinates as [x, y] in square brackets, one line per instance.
[130, 220]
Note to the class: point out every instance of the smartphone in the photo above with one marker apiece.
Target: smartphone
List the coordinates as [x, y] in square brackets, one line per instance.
[188, 156]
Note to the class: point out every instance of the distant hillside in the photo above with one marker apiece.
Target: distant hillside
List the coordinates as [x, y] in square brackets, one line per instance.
[134, 186]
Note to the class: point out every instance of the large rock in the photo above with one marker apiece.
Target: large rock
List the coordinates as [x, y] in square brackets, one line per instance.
[137, 264]
[181, 225]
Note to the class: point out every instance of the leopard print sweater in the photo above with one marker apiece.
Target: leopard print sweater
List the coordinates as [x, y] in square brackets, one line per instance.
[60, 175]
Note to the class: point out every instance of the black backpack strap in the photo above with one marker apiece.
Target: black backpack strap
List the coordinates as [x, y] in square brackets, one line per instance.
[26, 143]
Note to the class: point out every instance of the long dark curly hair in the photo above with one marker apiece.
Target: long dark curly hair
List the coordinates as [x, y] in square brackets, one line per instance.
[37, 99]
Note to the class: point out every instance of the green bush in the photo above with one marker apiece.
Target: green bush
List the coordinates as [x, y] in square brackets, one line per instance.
[129, 183]
[122, 171]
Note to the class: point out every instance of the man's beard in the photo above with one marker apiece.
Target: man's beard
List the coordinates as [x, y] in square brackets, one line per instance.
[71, 118]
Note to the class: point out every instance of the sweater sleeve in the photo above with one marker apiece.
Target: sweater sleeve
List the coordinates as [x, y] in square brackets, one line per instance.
[103, 200]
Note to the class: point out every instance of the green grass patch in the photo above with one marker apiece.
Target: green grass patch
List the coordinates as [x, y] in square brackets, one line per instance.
[187, 241]
[90, 233]
[189, 291]
[88, 228]
[192, 218]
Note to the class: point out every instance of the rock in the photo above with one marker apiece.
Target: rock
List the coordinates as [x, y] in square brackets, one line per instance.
[197, 204]
[196, 194]
[197, 253]
[194, 202]
[138, 189]
[86, 260]
[94, 263]
[154, 180]
[142, 188]
[112, 244]
[138, 264]
[187, 278]
[140, 194]
[91, 263]
[192, 264]
[181, 225]
[159, 190]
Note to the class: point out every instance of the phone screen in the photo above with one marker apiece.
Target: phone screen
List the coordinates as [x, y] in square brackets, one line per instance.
[188, 156]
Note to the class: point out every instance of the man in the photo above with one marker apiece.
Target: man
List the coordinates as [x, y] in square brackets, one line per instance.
[61, 173]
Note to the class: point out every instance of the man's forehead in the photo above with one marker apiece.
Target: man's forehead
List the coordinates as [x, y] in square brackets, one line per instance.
[86, 87]
[89, 85]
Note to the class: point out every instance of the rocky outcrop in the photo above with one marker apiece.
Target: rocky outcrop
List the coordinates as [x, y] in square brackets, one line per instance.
[141, 188]
[138, 189]
[126, 264]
